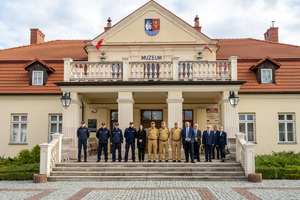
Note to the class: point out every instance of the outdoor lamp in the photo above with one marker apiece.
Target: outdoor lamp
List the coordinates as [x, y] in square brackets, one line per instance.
[102, 57]
[233, 99]
[66, 100]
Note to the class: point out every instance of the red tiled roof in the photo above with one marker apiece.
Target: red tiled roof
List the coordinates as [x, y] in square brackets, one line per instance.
[255, 49]
[53, 50]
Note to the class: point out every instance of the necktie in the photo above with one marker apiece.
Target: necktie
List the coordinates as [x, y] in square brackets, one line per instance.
[208, 133]
[221, 134]
[187, 132]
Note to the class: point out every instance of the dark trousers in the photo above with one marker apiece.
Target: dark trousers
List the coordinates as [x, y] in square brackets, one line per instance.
[80, 144]
[189, 148]
[215, 149]
[196, 149]
[208, 149]
[141, 154]
[104, 147]
[132, 145]
[116, 146]
[222, 148]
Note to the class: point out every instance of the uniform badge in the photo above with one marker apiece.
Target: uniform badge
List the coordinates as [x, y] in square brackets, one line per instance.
[152, 26]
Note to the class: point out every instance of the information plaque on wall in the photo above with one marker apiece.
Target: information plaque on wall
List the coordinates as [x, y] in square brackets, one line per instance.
[92, 125]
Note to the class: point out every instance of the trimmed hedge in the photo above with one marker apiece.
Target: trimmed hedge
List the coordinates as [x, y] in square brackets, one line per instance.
[281, 165]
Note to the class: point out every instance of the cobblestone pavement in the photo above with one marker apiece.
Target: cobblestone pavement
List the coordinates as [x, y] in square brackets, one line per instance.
[268, 189]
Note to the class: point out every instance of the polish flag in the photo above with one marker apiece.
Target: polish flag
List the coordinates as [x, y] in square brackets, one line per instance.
[206, 47]
[98, 44]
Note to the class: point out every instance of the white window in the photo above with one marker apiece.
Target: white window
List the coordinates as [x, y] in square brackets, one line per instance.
[19, 129]
[266, 76]
[55, 124]
[37, 78]
[286, 127]
[247, 126]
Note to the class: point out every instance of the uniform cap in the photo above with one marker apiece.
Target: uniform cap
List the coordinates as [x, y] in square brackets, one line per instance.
[82, 122]
[163, 122]
[116, 124]
[131, 123]
[103, 123]
[152, 122]
[176, 123]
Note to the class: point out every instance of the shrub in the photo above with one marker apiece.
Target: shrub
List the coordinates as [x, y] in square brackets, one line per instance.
[35, 152]
[25, 156]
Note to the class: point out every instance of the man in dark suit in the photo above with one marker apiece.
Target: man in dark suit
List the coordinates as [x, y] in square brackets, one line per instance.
[197, 142]
[222, 142]
[188, 138]
[215, 148]
[208, 142]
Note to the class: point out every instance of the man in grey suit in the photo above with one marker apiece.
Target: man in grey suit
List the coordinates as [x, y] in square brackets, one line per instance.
[197, 142]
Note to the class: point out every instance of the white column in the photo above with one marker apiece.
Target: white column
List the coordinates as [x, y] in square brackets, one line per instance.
[45, 158]
[174, 102]
[175, 69]
[58, 147]
[126, 68]
[67, 69]
[249, 158]
[71, 121]
[229, 116]
[233, 67]
[125, 109]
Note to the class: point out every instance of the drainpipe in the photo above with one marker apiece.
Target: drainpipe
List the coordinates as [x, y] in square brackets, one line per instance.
[82, 111]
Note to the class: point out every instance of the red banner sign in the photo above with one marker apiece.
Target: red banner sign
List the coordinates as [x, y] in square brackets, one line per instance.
[211, 110]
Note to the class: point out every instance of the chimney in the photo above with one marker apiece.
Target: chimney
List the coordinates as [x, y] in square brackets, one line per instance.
[196, 26]
[108, 25]
[36, 36]
[272, 33]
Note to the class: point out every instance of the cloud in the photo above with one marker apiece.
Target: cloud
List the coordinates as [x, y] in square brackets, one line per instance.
[77, 19]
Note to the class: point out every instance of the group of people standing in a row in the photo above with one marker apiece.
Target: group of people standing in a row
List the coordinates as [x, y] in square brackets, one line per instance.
[189, 137]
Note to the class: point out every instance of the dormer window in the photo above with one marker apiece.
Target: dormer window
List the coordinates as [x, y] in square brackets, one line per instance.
[37, 78]
[39, 72]
[266, 75]
[265, 70]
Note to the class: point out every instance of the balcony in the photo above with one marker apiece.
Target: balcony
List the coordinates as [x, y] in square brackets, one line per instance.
[175, 70]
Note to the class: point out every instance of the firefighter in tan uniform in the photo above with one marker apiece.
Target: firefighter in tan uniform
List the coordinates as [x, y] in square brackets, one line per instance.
[152, 134]
[164, 135]
[175, 139]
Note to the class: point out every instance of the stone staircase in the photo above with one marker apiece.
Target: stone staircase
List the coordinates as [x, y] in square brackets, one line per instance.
[120, 171]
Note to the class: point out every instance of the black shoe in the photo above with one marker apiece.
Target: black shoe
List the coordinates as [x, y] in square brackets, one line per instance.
[119, 160]
[167, 161]
[186, 161]
[213, 158]
[149, 160]
[133, 161]
[206, 161]
[154, 161]
[179, 160]
[113, 161]
[98, 160]
[174, 161]
[210, 161]
[84, 161]
[105, 160]
[160, 161]
[125, 160]
[193, 162]
[198, 161]
[78, 160]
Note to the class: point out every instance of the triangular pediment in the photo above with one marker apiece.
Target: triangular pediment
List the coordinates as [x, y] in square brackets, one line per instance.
[172, 29]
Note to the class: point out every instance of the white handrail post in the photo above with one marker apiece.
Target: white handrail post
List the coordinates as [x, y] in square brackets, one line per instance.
[249, 158]
[238, 146]
[175, 68]
[67, 69]
[126, 69]
[233, 68]
[45, 158]
[58, 146]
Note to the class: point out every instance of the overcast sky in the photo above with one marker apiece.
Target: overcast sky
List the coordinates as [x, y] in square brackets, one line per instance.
[85, 19]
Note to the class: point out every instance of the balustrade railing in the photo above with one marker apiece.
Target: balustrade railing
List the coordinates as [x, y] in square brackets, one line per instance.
[217, 70]
[66, 145]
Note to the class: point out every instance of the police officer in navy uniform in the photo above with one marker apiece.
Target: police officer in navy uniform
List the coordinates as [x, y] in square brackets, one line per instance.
[102, 134]
[130, 134]
[116, 140]
[83, 133]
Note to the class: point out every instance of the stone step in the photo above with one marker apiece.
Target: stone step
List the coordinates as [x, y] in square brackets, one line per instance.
[144, 173]
[147, 169]
[117, 164]
[144, 178]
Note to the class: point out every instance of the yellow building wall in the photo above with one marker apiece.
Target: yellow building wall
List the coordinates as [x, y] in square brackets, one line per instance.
[265, 109]
[38, 109]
